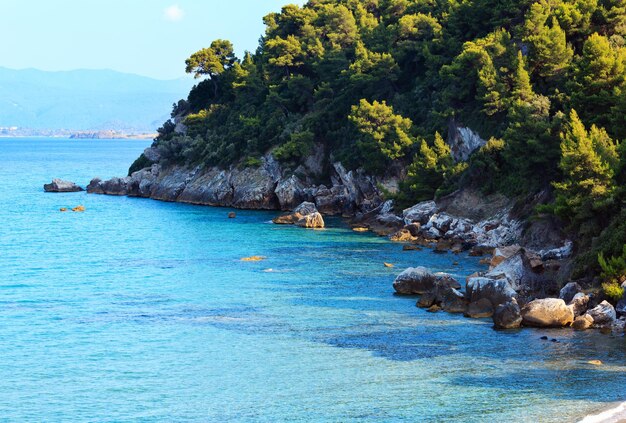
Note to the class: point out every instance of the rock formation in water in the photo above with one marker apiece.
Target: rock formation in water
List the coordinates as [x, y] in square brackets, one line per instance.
[60, 185]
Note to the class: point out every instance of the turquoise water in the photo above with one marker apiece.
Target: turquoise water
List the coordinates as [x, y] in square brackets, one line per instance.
[139, 310]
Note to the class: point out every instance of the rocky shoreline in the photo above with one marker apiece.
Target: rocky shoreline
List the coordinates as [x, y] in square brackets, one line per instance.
[526, 283]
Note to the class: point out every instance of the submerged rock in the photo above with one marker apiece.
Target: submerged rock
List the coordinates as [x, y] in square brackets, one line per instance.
[547, 312]
[507, 315]
[60, 185]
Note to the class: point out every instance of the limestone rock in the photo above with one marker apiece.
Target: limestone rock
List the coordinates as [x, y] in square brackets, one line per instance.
[603, 313]
[463, 141]
[496, 291]
[415, 280]
[578, 304]
[313, 220]
[568, 292]
[500, 254]
[547, 312]
[517, 271]
[420, 212]
[507, 315]
[419, 280]
[290, 192]
[60, 185]
[479, 309]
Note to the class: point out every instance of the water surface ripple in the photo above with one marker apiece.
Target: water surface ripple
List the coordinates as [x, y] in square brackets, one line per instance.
[139, 310]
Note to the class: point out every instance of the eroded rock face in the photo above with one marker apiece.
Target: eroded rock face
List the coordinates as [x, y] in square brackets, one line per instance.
[518, 271]
[603, 313]
[547, 312]
[290, 192]
[463, 142]
[60, 185]
[507, 315]
[496, 291]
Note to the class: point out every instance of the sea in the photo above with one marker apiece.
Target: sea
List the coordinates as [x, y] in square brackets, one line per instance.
[138, 310]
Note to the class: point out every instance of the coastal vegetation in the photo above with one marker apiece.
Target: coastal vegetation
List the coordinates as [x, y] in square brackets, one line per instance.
[381, 83]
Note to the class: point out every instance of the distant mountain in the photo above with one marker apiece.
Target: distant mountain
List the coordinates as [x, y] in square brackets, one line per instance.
[86, 100]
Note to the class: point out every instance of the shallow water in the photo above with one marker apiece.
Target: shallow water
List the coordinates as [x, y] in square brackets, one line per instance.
[139, 310]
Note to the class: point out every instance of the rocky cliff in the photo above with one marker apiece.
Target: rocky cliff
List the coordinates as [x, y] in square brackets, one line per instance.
[268, 186]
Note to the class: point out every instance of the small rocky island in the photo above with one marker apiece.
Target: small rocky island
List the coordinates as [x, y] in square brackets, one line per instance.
[60, 185]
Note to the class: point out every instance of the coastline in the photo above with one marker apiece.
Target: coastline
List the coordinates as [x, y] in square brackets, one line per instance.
[615, 414]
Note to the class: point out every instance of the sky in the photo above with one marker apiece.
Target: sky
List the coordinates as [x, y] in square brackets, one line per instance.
[145, 37]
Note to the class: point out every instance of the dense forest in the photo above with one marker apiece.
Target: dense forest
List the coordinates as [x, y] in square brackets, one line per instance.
[379, 81]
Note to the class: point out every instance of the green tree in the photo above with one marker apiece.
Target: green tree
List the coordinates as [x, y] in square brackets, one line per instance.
[549, 53]
[384, 136]
[588, 161]
[212, 61]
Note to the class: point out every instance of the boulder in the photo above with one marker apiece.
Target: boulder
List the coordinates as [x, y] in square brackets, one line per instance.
[403, 235]
[60, 185]
[304, 209]
[603, 313]
[419, 280]
[496, 291]
[547, 312]
[578, 304]
[583, 322]
[415, 280]
[517, 270]
[95, 186]
[313, 220]
[500, 254]
[419, 213]
[569, 291]
[507, 315]
[454, 301]
[479, 309]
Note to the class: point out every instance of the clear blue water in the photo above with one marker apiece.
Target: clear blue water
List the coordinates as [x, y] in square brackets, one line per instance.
[139, 310]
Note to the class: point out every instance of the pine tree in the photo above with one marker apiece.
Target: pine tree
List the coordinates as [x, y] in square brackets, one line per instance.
[588, 160]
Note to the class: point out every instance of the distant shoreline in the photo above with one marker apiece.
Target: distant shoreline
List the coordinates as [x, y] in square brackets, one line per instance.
[75, 135]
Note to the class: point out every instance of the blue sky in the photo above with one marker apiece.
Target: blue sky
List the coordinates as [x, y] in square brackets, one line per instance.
[146, 37]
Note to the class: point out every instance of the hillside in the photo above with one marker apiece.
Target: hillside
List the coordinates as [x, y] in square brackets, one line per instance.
[85, 100]
[522, 99]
